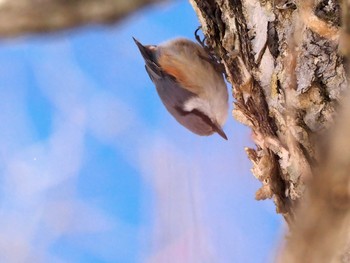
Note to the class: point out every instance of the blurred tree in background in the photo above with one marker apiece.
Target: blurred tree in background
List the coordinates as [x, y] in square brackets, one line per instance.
[286, 61]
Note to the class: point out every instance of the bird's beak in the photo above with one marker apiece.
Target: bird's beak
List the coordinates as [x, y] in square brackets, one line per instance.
[220, 131]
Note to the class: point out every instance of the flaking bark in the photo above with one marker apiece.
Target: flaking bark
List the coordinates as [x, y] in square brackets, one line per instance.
[288, 81]
[288, 92]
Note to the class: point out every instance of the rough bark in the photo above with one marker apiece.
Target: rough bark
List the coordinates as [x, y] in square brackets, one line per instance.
[18, 17]
[288, 81]
[288, 92]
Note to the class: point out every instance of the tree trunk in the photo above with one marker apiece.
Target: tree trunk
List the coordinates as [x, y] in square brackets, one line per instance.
[288, 81]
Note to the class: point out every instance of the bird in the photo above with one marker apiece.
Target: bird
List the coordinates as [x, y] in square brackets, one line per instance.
[191, 88]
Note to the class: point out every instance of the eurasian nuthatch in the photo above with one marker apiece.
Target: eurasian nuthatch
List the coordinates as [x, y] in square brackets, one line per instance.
[190, 87]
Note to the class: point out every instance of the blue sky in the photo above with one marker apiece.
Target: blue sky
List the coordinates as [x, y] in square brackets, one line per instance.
[93, 168]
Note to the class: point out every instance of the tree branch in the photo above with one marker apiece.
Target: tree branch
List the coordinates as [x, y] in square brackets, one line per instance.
[18, 17]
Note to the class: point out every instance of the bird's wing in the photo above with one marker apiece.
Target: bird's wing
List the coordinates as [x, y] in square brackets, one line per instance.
[152, 68]
[169, 90]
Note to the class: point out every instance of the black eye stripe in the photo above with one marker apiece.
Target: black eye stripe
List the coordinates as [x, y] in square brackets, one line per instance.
[181, 111]
[198, 113]
[205, 118]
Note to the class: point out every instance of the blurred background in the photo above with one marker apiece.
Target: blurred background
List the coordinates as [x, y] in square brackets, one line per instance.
[93, 168]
